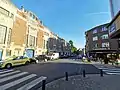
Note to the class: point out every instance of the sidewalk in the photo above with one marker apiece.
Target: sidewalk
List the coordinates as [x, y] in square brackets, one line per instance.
[90, 82]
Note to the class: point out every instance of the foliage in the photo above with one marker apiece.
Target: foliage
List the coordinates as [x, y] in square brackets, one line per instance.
[73, 48]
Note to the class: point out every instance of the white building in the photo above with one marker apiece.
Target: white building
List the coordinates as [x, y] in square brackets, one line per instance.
[7, 13]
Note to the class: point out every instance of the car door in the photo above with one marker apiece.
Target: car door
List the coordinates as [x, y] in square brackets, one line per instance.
[16, 61]
[23, 60]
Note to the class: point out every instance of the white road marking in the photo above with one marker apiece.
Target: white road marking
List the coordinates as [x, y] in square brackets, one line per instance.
[112, 73]
[11, 77]
[9, 73]
[1, 72]
[6, 86]
[32, 84]
[110, 69]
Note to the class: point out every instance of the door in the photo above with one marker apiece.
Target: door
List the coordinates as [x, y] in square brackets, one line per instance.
[16, 61]
[1, 52]
[29, 53]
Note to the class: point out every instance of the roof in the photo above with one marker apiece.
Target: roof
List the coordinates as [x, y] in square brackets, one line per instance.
[113, 19]
[97, 27]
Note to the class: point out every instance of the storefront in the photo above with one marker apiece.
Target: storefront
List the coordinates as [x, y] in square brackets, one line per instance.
[29, 53]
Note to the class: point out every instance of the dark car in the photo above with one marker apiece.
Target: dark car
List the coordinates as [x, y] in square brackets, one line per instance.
[42, 58]
[33, 60]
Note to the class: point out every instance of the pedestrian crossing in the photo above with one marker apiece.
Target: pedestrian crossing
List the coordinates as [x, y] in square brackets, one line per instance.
[18, 80]
[111, 71]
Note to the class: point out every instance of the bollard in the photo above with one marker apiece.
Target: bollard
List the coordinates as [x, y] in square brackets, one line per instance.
[83, 73]
[101, 72]
[43, 84]
[66, 76]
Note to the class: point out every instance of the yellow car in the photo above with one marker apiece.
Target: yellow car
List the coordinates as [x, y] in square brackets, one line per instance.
[14, 61]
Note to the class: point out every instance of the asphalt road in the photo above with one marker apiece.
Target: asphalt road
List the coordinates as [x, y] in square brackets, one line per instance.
[30, 76]
[56, 70]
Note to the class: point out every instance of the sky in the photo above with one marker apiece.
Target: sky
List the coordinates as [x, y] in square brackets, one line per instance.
[69, 18]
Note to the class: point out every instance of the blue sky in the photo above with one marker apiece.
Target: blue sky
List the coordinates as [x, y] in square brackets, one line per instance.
[69, 18]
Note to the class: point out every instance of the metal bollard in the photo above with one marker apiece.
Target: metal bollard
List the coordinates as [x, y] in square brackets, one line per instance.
[101, 72]
[66, 76]
[83, 73]
[43, 84]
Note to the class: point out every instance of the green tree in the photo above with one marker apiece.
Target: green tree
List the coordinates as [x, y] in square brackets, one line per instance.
[73, 48]
[71, 43]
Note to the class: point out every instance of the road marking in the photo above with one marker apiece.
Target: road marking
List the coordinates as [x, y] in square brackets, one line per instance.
[110, 69]
[6, 71]
[113, 73]
[6, 86]
[9, 73]
[32, 84]
[11, 77]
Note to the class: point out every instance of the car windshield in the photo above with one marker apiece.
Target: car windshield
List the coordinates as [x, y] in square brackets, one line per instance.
[59, 44]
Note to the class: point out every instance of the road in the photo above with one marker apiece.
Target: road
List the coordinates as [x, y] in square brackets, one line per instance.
[34, 73]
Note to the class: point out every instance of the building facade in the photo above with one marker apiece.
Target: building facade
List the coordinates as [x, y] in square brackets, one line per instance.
[114, 26]
[99, 43]
[23, 33]
[7, 18]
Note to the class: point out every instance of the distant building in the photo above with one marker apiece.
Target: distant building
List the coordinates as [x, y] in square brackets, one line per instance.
[98, 42]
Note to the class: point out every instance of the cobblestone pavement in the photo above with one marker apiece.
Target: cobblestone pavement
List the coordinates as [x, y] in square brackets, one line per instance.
[90, 82]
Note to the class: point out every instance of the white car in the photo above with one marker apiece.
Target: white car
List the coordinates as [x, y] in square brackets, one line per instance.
[54, 56]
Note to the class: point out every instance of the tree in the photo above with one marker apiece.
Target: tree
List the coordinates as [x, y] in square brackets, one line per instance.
[71, 43]
[73, 48]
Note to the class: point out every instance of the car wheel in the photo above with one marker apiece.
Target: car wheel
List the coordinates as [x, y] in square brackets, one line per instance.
[27, 62]
[8, 66]
[45, 60]
[36, 61]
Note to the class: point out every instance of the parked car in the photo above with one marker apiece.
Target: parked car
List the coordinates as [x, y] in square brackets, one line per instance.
[55, 56]
[14, 61]
[41, 58]
[33, 60]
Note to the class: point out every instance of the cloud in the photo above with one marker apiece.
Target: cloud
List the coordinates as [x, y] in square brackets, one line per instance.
[98, 13]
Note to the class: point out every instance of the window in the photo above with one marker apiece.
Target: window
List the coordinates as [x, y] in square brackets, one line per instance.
[8, 52]
[33, 16]
[32, 41]
[3, 30]
[104, 29]
[95, 38]
[12, 15]
[30, 14]
[4, 11]
[94, 31]
[44, 44]
[105, 36]
[47, 34]
[9, 36]
[105, 44]
[112, 28]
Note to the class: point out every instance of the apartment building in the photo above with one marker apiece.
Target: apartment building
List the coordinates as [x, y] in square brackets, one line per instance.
[22, 33]
[40, 39]
[46, 36]
[7, 18]
[98, 42]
